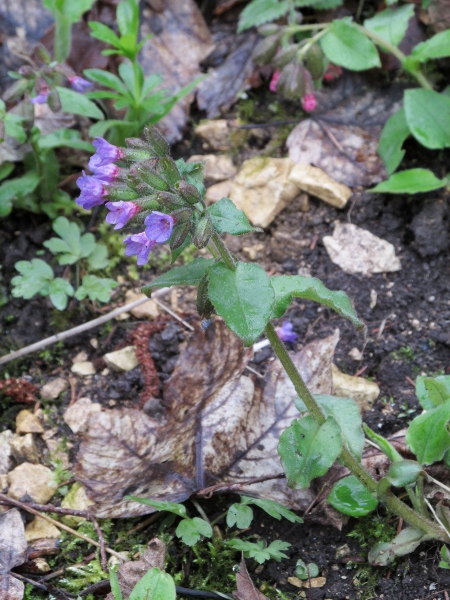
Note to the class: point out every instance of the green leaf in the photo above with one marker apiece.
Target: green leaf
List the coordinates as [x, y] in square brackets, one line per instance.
[99, 129]
[346, 46]
[391, 24]
[193, 174]
[190, 274]
[259, 551]
[240, 515]
[104, 34]
[64, 137]
[172, 507]
[304, 571]
[33, 279]
[403, 472]
[77, 104]
[349, 496]
[307, 450]
[437, 46]
[6, 169]
[272, 508]
[261, 11]
[347, 415]
[87, 244]
[427, 117]
[68, 243]
[319, 4]
[411, 181]
[287, 287]
[59, 289]
[17, 188]
[98, 258]
[115, 587]
[243, 298]
[96, 288]
[73, 11]
[383, 444]
[433, 391]
[428, 435]
[394, 133]
[154, 585]
[227, 218]
[384, 553]
[127, 17]
[191, 530]
[14, 127]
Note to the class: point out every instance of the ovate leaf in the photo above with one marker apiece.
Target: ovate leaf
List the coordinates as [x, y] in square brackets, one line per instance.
[427, 114]
[76, 104]
[403, 472]
[155, 585]
[391, 24]
[384, 553]
[437, 46]
[433, 391]
[190, 274]
[345, 45]
[307, 450]
[411, 181]
[428, 435]
[351, 497]
[243, 298]
[96, 288]
[261, 11]
[394, 133]
[227, 218]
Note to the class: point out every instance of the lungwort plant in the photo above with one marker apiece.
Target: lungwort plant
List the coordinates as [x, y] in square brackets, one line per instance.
[164, 200]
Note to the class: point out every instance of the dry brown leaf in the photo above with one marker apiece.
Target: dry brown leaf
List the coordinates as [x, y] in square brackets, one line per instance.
[218, 429]
[341, 137]
[13, 552]
[181, 40]
[245, 587]
[130, 572]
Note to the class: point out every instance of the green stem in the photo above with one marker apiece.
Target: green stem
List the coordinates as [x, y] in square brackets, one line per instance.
[313, 40]
[223, 251]
[346, 457]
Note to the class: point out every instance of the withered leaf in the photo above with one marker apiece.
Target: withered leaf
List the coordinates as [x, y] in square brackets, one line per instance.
[13, 545]
[341, 137]
[130, 572]
[181, 40]
[11, 588]
[245, 587]
[220, 427]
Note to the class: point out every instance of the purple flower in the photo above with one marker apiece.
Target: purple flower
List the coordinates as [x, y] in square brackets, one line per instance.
[140, 245]
[285, 332]
[106, 153]
[42, 97]
[159, 226]
[79, 84]
[121, 213]
[107, 173]
[92, 191]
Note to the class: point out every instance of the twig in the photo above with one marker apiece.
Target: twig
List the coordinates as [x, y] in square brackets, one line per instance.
[45, 588]
[23, 505]
[230, 487]
[174, 314]
[433, 512]
[79, 329]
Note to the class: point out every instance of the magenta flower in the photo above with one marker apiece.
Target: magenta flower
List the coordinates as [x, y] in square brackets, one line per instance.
[309, 102]
[285, 332]
[79, 84]
[107, 173]
[93, 191]
[140, 245]
[42, 97]
[121, 213]
[106, 154]
[274, 81]
[159, 226]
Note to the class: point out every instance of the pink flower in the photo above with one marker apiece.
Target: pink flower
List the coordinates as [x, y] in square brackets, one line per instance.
[332, 73]
[309, 102]
[274, 81]
[121, 213]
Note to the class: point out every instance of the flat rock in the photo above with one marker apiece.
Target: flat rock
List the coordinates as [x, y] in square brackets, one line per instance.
[218, 134]
[77, 415]
[83, 368]
[356, 250]
[317, 183]
[40, 528]
[24, 448]
[35, 481]
[5, 450]
[147, 310]
[262, 188]
[27, 422]
[124, 359]
[362, 391]
[216, 167]
[53, 389]
[216, 192]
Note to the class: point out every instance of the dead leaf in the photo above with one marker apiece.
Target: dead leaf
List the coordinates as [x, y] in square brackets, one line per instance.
[130, 572]
[245, 587]
[219, 428]
[13, 552]
[181, 40]
[341, 137]
[221, 89]
[11, 588]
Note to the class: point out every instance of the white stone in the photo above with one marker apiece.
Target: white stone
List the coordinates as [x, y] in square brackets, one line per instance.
[77, 415]
[40, 528]
[83, 368]
[35, 480]
[317, 183]
[262, 188]
[80, 357]
[218, 133]
[27, 422]
[216, 192]
[147, 310]
[122, 360]
[5, 450]
[53, 389]
[356, 354]
[362, 391]
[216, 167]
[357, 251]
[24, 448]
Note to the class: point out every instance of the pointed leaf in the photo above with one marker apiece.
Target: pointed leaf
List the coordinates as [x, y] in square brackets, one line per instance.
[437, 46]
[76, 104]
[428, 435]
[190, 274]
[106, 79]
[392, 137]
[345, 45]
[411, 181]
[155, 585]
[427, 117]
[391, 24]
[272, 508]
[227, 218]
[433, 391]
[384, 553]
[383, 444]
[172, 507]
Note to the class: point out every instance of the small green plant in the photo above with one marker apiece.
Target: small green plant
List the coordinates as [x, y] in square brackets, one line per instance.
[306, 571]
[155, 584]
[259, 550]
[241, 515]
[445, 556]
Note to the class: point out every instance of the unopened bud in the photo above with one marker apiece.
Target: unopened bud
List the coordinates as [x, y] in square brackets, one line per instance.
[136, 144]
[27, 72]
[17, 90]
[157, 142]
[54, 101]
[204, 305]
[188, 192]
[265, 50]
[203, 232]
[169, 200]
[179, 235]
[314, 62]
[285, 56]
[42, 54]
[121, 193]
[136, 155]
[182, 215]
[291, 82]
[148, 175]
[168, 170]
[268, 29]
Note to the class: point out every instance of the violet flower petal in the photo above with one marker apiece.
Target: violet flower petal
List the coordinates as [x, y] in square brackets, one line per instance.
[159, 226]
[121, 212]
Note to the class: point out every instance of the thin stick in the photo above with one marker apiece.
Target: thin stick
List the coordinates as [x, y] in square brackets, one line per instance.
[174, 314]
[433, 512]
[7, 500]
[231, 487]
[79, 329]
[444, 487]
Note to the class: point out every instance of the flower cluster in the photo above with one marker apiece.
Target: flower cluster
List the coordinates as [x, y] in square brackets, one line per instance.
[286, 333]
[145, 181]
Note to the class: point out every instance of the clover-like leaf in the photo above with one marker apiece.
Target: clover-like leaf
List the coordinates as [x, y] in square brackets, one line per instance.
[96, 288]
[34, 278]
[59, 290]
[272, 508]
[240, 515]
[191, 530]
